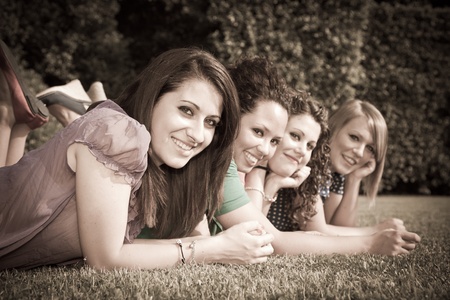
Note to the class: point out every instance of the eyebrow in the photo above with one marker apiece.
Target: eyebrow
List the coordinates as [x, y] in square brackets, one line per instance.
[301, 131]
[267, 130]
[197, 107]
[358, 133]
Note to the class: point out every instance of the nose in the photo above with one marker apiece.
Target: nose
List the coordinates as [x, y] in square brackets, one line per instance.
[264, 147]
[300, 149]
[196, 132]
[359, 150]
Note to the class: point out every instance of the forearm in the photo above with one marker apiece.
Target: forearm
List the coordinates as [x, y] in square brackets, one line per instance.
[340, 230]
[152, 254]
[347, 210]
[254, 186]
[318, 223]
[294, 243]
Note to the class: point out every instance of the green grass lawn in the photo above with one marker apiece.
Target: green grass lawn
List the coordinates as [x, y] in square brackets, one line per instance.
[423, 274]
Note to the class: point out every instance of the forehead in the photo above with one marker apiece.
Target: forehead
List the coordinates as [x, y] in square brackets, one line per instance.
[201, 93]
[305, 123]
[359, 125]
[269, 114]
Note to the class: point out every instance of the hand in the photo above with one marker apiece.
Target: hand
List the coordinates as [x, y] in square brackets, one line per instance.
[393, 242]
[364, 170]
[245, 243]
[392, 223]
[290, 182]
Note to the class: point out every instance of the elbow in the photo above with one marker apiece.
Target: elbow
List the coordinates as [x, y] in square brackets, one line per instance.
[102, 261]
[100, 264]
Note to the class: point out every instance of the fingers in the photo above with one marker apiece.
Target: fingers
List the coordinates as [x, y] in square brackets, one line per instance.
[410, 237]
[409, 246]
[251, 226]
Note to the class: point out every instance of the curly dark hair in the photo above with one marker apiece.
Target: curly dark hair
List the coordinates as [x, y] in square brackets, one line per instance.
[301, 208]
[257, 79]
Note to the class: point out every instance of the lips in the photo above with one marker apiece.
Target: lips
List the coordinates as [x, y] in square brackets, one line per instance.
[293, 159]
[182, 145]
[349, 160]
[251, 158]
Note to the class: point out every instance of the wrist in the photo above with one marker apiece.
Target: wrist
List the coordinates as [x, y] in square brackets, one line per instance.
[271, 197]
[262, 168]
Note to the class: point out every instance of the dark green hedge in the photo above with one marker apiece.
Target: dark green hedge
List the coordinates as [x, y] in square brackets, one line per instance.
[394, 55]
[407, 67]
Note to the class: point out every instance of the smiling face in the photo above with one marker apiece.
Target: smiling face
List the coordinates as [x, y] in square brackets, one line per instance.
[352, 146]
[260, 133]
[184, 123]
[299, 140]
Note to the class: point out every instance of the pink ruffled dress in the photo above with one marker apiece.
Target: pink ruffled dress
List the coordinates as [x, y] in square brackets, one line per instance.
[38, 215]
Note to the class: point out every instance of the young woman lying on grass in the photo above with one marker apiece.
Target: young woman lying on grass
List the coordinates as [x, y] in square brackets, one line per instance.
[87, 192]
[359, 140]
[254, 79]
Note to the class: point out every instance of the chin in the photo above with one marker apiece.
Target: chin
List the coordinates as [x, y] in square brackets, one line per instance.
[176, 164]
[283, 172]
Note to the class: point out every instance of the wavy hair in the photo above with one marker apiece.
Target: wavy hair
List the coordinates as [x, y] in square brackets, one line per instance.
[173, 201]
[352, 109]
[302, 206]
[257, 79]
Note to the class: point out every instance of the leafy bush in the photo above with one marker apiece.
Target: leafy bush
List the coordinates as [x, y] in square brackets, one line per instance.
[407, 67]
[394, 55]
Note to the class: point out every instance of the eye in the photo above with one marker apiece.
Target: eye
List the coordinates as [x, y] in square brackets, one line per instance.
[311, 146]
[275, 142]
[295, 136]
[211, 122]
[186, 110]
[371, 149]
[258, 132]
[354, 137]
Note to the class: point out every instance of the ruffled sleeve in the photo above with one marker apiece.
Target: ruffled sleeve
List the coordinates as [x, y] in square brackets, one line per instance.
[117, 141]
[121, 144]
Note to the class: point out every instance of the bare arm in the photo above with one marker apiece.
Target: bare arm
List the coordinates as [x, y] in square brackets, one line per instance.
[388, 242]
[271, 184]
[102, 209]
[342, 210]
[318, 223]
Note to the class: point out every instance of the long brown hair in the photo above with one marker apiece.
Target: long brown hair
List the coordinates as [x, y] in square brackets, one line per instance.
[173, 201]
[302, 206]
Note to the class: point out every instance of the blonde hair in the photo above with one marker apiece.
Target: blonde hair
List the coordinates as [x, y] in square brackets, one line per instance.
[350, 110]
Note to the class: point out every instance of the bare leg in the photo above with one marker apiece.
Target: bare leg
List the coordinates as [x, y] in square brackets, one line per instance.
[17, 142]
[6, 119]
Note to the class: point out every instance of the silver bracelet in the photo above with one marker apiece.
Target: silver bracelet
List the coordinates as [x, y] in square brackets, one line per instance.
[180, 244]
[192, 247]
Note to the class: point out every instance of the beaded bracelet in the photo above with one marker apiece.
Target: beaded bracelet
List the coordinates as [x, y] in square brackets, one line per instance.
[265, 197]
[249, 188]
[272, 200]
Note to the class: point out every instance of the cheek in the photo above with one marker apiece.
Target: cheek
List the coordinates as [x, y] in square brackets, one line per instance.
[367, 156]
[208, 138]
[307, 159]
